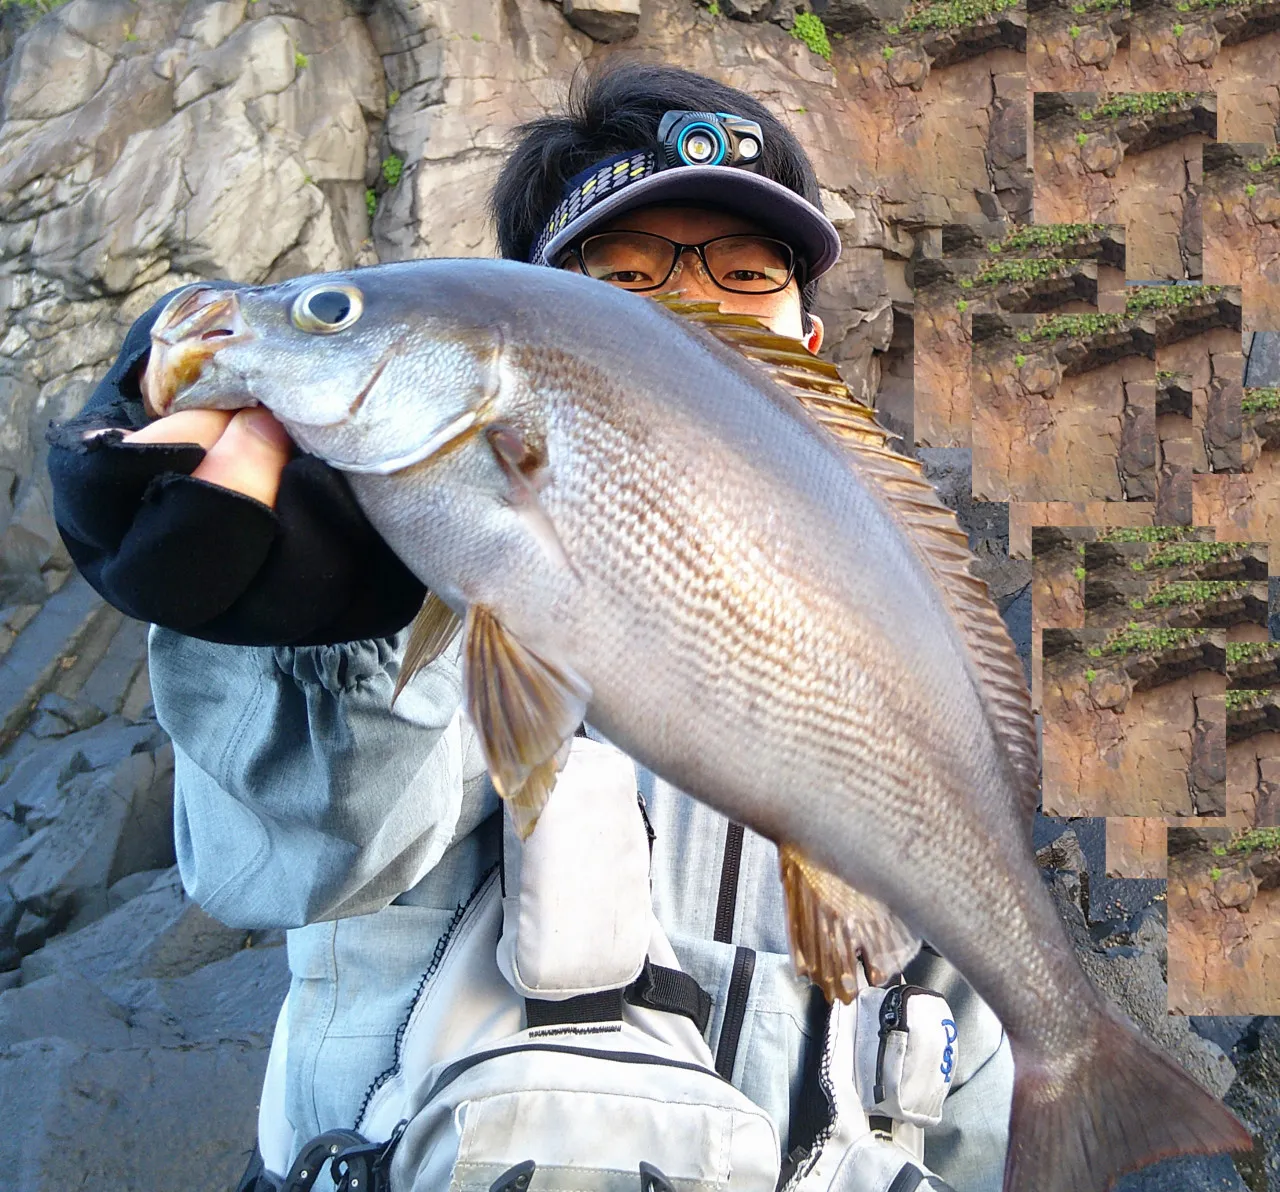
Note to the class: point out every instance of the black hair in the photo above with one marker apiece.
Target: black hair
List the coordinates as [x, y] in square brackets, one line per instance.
[614, 108]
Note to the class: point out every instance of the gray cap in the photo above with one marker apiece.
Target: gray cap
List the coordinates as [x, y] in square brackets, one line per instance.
[625, 182]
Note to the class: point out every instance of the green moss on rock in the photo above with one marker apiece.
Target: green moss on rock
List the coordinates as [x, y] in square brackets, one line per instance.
[1256, 839]
[1021, 270]
[1191, 554]
[1238, 652]
[809, 29]
[1179, 593]
[1141, 641]
[1148, 534]
[1255, 401]
[1140, 103]
[953, 14]
[1034, 236]
[1239, 700]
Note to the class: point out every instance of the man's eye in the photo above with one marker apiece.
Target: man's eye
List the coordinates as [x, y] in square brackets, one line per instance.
[745, 275]
[626, 277]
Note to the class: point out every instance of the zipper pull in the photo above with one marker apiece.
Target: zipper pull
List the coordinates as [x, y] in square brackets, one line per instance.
[890, 1020]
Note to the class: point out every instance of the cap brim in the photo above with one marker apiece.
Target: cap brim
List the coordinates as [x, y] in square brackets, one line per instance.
[777, 209]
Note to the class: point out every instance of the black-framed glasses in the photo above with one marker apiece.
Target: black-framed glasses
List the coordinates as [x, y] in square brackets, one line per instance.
[644, 261]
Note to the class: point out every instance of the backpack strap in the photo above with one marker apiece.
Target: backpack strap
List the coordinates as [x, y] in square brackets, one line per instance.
[656, 988]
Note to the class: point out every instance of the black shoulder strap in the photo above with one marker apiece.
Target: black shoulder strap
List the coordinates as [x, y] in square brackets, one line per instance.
[656, 988]
[670, 990]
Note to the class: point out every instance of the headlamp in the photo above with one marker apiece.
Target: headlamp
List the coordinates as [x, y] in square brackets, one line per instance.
[710, 139]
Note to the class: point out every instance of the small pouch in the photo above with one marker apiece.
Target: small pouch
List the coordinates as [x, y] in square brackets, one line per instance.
[577, 912]
[906, 1053]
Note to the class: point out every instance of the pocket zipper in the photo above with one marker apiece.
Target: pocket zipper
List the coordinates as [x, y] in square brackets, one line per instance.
[893, 1017]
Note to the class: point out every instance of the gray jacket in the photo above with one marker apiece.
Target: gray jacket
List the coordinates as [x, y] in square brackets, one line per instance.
[305, 801]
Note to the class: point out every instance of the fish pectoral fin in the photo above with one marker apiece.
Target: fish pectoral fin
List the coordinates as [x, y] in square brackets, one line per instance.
[525, 709]
[832, 926]
[525, 466]
[433, 629]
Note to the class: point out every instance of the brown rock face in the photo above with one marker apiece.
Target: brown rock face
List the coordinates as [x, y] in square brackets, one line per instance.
[1087, 174]
[1242, 230]
[1025, 515]
[1043, 442]
[1237, 887]
[1136, 847]
[1112, 754]
[1224, 940]
[1242, 505]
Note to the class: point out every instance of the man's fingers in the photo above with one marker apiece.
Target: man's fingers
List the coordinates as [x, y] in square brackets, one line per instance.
[249, 456]
[203, 427]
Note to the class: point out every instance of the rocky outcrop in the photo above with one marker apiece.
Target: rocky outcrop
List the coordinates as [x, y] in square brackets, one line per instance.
[1101, 515]
[1053, 423]
[1119, 934]
[1133, 727]
[1253, 776]
[1224, 930]
[1138, 165]
[1242, 226]
[1136, 847]
[1242, 505]
[1058, 575]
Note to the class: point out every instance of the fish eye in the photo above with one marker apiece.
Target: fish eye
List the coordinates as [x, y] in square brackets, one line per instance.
[327, 308]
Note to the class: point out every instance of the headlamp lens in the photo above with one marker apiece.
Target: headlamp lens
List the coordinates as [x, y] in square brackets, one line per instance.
[699, 148]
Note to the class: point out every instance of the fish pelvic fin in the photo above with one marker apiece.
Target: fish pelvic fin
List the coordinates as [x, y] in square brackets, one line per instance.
[929, 524]
[524, 709]
[832, 926]
[435, 626]
[526, 802]
[1123, 1105]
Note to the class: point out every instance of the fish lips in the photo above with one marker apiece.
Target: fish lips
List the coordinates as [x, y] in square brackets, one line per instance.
[196, 325]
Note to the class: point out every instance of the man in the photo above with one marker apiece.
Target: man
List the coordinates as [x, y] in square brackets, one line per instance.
[306, 800]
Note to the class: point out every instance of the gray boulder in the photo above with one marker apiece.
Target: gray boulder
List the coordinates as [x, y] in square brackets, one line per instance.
[160, 933]
[604, 20]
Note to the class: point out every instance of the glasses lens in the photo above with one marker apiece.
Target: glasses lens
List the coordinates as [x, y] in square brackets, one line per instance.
[631, 260]
[749, 264]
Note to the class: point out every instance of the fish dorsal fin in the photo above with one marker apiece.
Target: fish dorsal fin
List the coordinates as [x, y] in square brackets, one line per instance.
[930, 524]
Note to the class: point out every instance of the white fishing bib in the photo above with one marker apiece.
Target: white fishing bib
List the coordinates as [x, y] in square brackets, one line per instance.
[523, 1067]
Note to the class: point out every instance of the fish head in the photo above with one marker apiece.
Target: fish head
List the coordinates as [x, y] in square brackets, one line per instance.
[364, 370]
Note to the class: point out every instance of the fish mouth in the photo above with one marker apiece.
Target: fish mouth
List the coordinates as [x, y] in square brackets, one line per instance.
[196, 324]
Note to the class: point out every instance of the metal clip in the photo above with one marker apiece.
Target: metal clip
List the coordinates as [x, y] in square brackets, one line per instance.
[652, 1180]
[515, 1179]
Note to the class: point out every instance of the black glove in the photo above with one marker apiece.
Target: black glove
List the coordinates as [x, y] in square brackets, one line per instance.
[206, 561]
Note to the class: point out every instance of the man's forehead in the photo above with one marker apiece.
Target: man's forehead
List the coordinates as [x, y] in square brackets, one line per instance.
[679, 220]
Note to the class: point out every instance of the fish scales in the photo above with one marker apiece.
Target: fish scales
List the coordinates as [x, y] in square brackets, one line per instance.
[653, 532]
[759, 560]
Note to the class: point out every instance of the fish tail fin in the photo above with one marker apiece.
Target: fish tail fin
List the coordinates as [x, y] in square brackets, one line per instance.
[1122, 1106]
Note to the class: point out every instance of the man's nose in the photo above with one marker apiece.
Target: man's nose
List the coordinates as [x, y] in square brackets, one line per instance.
[691, 278]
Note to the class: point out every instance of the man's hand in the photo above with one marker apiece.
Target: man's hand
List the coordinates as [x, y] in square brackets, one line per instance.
[245, 450]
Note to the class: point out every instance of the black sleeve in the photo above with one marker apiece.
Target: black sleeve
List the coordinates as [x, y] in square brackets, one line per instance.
[164, 547]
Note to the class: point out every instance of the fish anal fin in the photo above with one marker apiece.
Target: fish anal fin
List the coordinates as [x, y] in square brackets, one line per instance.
[433, 629]
[525, 709]
[912, 500]
[832, 927]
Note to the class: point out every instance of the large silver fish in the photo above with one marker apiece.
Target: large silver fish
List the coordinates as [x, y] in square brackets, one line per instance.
[678, 524]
